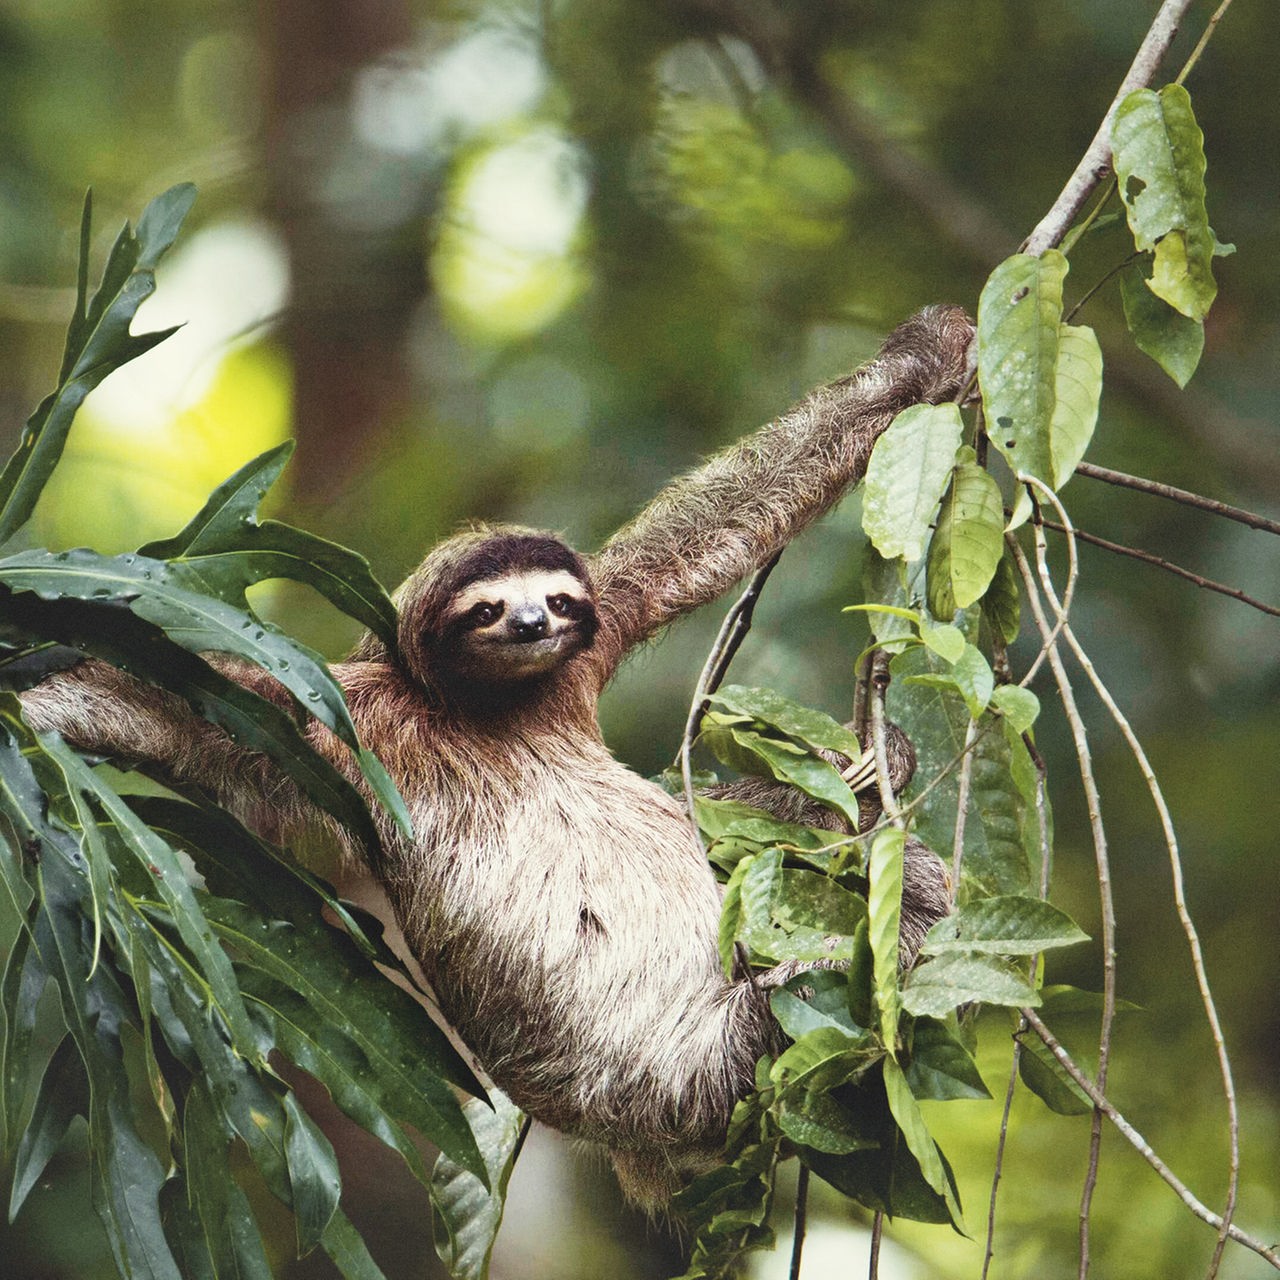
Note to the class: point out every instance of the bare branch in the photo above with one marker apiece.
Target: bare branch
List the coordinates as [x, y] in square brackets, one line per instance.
[1000, 1145]
[797, 1233]
[879, 683]
[1185, 496]
[962, 805]
[1184, 917]
[1168, 566]
[1095, 164]
[1141, 1145]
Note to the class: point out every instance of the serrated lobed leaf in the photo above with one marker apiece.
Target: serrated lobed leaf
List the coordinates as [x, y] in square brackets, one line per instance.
[1158, 153]
[98, 342]
[906, 477]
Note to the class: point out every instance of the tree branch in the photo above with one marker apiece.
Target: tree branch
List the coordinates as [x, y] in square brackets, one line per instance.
[1184, 496]
[1141, 1145]
[1167, 565]
[1095, 164]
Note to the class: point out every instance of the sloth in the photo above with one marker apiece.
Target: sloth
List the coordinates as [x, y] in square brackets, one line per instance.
[560, 905]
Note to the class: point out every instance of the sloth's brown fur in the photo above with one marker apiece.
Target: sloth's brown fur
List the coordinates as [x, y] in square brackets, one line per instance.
[557, 902]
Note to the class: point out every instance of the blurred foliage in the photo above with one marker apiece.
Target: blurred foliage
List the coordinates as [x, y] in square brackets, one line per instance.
[728, 247]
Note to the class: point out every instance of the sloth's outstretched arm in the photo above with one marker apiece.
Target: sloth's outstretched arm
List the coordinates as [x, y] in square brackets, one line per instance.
[101, 709]
[713, 526]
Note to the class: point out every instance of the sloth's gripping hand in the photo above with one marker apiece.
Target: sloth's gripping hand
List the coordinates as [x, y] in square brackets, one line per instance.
[725, 519]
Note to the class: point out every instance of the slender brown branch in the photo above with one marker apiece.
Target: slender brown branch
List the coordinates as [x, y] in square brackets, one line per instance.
[1095, 164]
[1142, 1146]
[1102, 863]
[802, 1213]
[873, 1261]
[962, 806]
[733, 630]
[1184, 918]
[1134, 553]
[989, 1252]
[1205, 37]
[879, 683]
[1174, 494]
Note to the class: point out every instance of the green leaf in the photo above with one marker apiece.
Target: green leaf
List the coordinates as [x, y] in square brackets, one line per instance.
[98, 343]
[824, 1058]
[1158, 153]
[940, 1066]
[751, 752]
[1077, 392]
[223, 1219]
[732, 917]
[803, 724]
[936, 987]
[946, 641]
[884, 908]
[907, 1115]
[1019, 322]
[367, 1010]
[884, 588]
[1046, 1077]
[1011, 926]
[974, 535]
[468, 1212]
[63, 1095]
[313, 1174]
[224, 549]
[827, 1006]
[906, 476]
[1019, 706]
[819, 1121]
[1001, 606]
[119, 637]
[1174, 341]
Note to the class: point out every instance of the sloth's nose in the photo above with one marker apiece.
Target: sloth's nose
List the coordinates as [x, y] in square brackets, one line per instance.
[529, 622]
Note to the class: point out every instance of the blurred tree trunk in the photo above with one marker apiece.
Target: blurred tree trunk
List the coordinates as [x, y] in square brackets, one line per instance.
[356, 278]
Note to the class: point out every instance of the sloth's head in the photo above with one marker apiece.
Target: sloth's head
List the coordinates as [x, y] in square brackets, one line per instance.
[494, 608]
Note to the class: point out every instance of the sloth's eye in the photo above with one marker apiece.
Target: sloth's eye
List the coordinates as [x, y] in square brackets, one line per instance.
[481, 615]
[560, 605]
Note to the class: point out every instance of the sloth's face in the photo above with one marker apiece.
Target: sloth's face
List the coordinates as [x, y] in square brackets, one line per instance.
[518, 625]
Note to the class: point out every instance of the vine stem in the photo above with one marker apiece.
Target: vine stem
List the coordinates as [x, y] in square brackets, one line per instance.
[1143, 1147]
[1095, 164]
[873, 1260]
[733, 630]
[1101, 860]
[879, 683]
[1180, 905]
[962, 805]
[802, 1214]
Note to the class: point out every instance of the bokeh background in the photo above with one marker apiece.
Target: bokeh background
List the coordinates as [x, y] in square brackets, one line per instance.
[526, 260]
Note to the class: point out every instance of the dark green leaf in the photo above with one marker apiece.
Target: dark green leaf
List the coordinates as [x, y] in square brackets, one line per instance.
[906, 1112]
[940, 1066]
[62, 1096]
[826, 1006]
[818, 1121]
[313, 1174]
[468, 1212]
[1002, 604]
[803, 724]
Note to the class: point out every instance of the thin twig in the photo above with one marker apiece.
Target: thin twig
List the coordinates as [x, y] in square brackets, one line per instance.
[1205, 37]
[733, 630]
[1095, 164]
[1000, 1145]
[879, 683]
[797, 1233]
[873, 1261]
[962, 806]
[1068, 595]
[1184, 496]
[1142, 1146]
[1102, 863]
[1135, 553]
[1184, 917]
[1046, 863]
